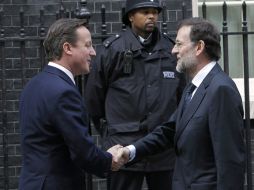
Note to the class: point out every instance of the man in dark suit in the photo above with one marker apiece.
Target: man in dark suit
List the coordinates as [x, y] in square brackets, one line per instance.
[55, 141]
[207, 128]
[133, 87]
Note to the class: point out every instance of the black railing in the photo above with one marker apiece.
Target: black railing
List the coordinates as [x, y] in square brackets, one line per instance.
[244, 33]
[247, 97]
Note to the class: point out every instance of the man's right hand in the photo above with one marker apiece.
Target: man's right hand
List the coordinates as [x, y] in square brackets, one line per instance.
[120, 156]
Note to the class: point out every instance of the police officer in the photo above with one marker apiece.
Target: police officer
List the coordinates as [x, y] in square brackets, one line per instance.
[133, 87]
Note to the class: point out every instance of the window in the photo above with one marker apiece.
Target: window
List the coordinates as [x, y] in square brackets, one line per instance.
[214, 13]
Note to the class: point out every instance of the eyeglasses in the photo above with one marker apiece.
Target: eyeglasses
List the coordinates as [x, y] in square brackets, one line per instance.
[179, 45]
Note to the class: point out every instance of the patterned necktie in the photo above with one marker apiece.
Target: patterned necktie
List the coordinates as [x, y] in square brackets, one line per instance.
[188, 95]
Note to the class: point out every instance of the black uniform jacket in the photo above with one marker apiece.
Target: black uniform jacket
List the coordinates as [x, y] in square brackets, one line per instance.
[135, 87]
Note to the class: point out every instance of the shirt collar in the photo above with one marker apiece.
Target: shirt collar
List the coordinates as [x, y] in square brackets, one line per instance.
[200, 76]
[141, 39]
[66, 71]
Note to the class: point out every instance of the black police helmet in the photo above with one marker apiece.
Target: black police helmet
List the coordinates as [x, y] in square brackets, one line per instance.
[136, 4]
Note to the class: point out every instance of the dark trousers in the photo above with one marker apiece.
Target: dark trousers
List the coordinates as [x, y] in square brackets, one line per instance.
[133, 180]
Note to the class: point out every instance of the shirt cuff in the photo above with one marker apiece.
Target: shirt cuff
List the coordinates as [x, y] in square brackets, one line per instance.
[132, 150]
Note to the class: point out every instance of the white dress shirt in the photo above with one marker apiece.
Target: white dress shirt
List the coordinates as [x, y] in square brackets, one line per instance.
[200, 76]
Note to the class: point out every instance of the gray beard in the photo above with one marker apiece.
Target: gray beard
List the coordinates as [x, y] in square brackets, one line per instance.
[186, 64]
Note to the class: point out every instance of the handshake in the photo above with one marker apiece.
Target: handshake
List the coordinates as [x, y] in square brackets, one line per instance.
[120, 156]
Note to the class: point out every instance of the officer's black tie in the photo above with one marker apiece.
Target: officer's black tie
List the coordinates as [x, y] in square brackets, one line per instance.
[191, 87]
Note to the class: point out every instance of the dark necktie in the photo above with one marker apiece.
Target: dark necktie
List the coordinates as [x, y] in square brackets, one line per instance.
[188, 95]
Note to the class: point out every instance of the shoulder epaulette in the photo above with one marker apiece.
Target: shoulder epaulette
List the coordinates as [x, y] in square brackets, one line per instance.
[111, 39]
[170, 39]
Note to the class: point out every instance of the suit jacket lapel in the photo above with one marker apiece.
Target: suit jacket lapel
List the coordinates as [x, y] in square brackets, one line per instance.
[183, 119]
[189, 111]
[59, 73]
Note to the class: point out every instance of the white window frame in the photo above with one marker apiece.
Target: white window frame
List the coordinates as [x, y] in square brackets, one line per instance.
[239, 81]
[196, 4]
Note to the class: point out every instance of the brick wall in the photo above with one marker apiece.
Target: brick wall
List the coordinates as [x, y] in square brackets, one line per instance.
[31, 65]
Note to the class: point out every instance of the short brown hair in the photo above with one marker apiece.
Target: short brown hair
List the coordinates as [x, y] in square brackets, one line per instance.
[61, 31]
[202, 29]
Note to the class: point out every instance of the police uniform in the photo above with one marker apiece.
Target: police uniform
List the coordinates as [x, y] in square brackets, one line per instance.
[134, 86]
